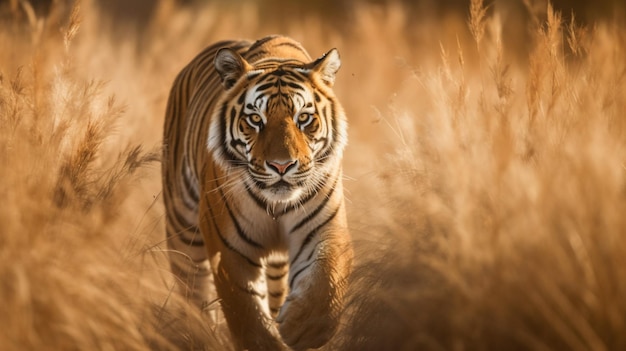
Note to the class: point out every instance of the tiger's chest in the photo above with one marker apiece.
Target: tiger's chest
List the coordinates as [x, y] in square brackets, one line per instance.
[252, 226]
[241, 221]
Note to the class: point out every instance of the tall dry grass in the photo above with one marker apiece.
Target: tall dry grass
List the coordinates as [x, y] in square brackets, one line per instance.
[486, 176]
[78, 224]
[502, 219]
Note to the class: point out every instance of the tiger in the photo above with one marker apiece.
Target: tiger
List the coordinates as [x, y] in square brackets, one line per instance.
[252, 185]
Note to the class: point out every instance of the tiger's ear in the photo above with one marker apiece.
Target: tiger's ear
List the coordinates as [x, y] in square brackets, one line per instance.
[326, 66]
[230, 66]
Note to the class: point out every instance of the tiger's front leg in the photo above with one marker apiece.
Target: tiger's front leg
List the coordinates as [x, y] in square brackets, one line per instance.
[320, 265]
[240, 284]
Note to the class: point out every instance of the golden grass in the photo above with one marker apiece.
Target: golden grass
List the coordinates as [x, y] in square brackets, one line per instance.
[486, 181]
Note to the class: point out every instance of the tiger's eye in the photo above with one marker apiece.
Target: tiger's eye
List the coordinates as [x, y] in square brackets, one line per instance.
[255, 120]
[303, 117]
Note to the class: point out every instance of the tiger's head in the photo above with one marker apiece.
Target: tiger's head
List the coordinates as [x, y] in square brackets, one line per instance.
[279, 123]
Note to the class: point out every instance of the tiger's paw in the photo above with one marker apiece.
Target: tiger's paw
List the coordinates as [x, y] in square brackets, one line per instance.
[307, 323]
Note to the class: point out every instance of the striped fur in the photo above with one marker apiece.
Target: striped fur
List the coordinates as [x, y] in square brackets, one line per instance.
[252, 186]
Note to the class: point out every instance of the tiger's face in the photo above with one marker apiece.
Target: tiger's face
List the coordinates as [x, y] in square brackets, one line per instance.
[279, 123]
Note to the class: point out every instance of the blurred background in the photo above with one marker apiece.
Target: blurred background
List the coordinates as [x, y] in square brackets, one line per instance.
[337, 11]
[134, 18]
[487, 155]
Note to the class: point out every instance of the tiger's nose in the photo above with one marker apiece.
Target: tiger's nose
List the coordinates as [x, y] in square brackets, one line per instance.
[281, 167]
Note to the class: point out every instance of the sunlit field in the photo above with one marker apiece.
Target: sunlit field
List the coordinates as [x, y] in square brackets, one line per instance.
[485, 174]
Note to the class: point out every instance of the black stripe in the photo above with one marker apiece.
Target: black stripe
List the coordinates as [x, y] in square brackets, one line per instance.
[292, 45]
[180, 272]
[266, 86]
[253, 75]
[318, 60]
[204, 64]
[285, 73]
[278, 73]
[191, 242]
[328, 147]
[241, 98]
[273, 63]
[277, 265]
[276, 277]
[313, 233]
[233, 116]
[177, 218]
[288, 74]
[317, 244]
[260, 42]
[204, 88]
[295, 85]
[229, 155]
[250, 291]
[260, 202]
[253, 57]
[308, 198]
[234, 143]
[240, 230]
[228, 244]
[173, 105]
[317, 97]
[259, 184]
[220, 127]
[174, 115]
[293, 277]
[319, 208]
[222, 130]
[191, 191]
[277, 294]
[241, 46]
[335, 120]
